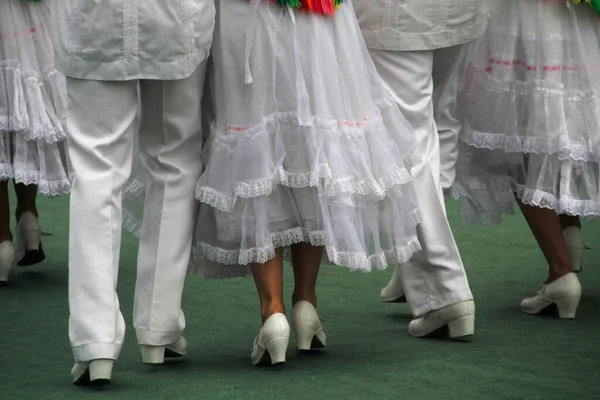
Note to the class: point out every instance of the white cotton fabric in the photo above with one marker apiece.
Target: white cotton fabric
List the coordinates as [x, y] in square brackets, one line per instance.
[417, 25]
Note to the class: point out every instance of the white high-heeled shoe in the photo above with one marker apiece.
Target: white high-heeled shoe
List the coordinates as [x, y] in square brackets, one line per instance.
[393, 292]
[565, 292]
[458, 317]
[271, 343]
[157, 354]
[575, 247]
[7, 259]
[307, 327]
[29, 240]
[94, 372]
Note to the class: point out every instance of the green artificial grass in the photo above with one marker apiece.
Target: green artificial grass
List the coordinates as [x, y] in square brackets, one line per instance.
[369, 356]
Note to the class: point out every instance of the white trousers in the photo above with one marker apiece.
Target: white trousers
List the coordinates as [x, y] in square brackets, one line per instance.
[102, 125]
[425, 83]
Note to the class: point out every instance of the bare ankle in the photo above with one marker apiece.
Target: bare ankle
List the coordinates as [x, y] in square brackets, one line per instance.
[309, 297]
[557, 274]
[269, 309]
[20, 210]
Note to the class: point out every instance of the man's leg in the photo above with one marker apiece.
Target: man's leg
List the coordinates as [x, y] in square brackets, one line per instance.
[434, 278]
[449, 66]
[100, 123]
[170, 141]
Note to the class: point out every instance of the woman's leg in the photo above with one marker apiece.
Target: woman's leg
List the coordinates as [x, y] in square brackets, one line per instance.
[7, 250]
[306, 260]
[270, 346]
[568, 221]
[268, 278]
[547, 229]
[5, 234]
[305, 319]
[26, 199]
[29, 234]
[571, 226]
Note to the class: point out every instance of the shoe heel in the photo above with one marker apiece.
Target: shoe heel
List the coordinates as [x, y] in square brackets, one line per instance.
[100, 370]
[29, 231]
[575, 247]
[7, 259]
[277, 349]
[462, 327]
[5, 267]
[308, 338]
[307, 327]
[153, 354]
[29, 241]
[576, 255]
[304, 337]
[567, 307]
[5, 271]
[31, 237]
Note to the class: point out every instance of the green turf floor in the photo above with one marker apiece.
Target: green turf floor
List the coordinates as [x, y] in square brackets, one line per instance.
[370, 354]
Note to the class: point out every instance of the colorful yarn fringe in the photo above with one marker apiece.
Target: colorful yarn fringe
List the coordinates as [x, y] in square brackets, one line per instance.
[595, 4]
[324, 7]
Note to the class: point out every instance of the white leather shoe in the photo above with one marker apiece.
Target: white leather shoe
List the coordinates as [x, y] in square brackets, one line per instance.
[29, 240]
[7, 259]
[565, 292]
[271, 343]
[393, 292]
[458, 317]
[575, 247]
[92, 373]
[157, 354]
[307, 327]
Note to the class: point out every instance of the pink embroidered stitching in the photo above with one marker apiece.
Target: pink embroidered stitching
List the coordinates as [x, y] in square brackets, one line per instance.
[232, 128]
[30, 31]
[549, 68]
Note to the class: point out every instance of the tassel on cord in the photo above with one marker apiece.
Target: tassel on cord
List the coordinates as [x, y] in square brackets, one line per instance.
[308, 5]
[323, 7]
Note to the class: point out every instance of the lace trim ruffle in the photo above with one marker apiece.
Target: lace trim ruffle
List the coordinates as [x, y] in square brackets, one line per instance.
[369, 186]
[35, 105]
[46, 187]
[504, 203]
[561, 204]
[564, 146]
[353, 261]
[377, 188]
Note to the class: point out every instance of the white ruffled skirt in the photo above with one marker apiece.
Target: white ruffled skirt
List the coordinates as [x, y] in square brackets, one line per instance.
[32, 101]
[531, 111]
[305, 146]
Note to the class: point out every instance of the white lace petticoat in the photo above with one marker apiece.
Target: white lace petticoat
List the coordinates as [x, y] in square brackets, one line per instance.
[32, 101]
[305, 146]
[531, 111]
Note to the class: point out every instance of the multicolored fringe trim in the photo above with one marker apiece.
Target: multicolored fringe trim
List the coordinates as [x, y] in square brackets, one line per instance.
[324, 7]
[595, 4]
